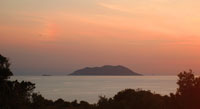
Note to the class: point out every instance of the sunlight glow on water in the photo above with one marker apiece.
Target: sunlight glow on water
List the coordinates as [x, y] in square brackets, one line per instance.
[88, 88]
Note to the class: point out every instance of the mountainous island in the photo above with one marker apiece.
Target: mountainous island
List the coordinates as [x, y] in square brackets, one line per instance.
[105, 70]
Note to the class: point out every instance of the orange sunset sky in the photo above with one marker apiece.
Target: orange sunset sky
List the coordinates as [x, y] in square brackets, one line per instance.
[160, 37]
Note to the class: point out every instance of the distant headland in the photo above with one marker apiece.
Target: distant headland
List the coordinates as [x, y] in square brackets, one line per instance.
[106, 70]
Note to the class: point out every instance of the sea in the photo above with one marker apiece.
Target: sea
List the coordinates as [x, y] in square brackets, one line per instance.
[89, 88]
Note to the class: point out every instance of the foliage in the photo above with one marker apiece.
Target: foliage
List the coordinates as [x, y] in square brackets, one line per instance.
[13, 94]
[5, 72]
[130, 99]
[188, 93]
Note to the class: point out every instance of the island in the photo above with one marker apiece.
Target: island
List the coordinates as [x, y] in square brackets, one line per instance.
[106, 70]
[46, 75]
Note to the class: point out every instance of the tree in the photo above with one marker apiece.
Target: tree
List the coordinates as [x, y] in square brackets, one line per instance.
[20, 95]
[188, 93]
[5, 72]
[133, 99]
[13, 94]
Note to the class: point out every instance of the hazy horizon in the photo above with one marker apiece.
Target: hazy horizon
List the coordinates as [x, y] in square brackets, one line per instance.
[67, 73]
[159, 37]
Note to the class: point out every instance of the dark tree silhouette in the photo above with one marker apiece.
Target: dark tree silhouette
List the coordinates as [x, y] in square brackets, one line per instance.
[188, 93]
[13, 94]
[133, 99]
[5, 72]
[20, 95]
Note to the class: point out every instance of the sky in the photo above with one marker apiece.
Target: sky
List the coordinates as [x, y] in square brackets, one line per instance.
[151, 37]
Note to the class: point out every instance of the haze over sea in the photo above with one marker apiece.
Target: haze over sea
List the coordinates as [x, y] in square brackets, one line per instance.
[89, 88]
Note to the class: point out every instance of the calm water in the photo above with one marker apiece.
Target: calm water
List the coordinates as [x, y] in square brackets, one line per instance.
[88, 88]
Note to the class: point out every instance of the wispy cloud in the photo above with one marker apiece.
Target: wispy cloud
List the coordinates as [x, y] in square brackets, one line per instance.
[114, 7]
